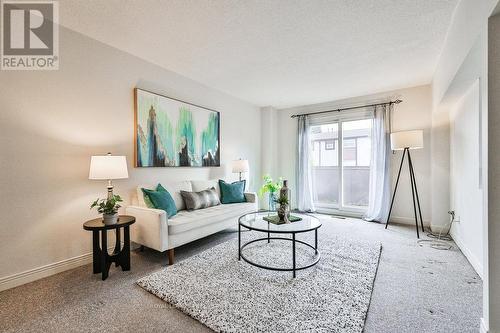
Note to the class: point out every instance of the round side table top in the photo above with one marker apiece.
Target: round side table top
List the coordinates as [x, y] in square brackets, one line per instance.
[97, 224]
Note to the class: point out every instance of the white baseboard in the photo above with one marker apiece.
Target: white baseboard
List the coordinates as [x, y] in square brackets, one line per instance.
[476, 264]
[483, 328]
[407, 220]
[34, 274]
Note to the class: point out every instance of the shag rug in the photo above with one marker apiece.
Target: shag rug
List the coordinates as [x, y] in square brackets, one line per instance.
[228, 295]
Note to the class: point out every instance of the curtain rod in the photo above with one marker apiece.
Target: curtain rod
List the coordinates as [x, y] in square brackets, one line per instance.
[348, 108]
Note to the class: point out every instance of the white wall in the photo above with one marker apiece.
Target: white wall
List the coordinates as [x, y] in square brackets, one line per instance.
[466, 183]
[462, 61]
[493, 190]
[413, 113]
[51, 122]
[469, 19]
[269, 130]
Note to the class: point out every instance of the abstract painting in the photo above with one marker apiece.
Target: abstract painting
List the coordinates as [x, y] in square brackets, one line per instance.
[173, 133]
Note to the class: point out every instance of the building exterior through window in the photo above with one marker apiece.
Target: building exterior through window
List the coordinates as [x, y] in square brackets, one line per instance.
[341, 176]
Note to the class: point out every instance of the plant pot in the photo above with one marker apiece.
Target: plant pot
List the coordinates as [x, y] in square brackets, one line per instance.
[109, 219]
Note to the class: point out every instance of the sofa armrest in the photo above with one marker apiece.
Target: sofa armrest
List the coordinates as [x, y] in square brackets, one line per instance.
[251, 197]
[150, 228]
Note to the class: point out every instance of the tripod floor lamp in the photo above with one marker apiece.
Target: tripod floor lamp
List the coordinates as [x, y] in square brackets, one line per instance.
[406, 141]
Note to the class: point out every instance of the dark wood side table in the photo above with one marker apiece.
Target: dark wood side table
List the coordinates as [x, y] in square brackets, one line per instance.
[121, 257]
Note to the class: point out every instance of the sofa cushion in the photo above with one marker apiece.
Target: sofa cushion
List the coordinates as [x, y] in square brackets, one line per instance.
[161, 199]
[187, 220]
[232, 193]
[200, 185]
[202, 199]
[174, 188]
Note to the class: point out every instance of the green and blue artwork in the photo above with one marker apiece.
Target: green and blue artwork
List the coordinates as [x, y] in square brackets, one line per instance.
[172, 133]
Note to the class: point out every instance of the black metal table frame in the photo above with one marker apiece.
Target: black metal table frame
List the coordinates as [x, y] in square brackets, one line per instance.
[294, 268]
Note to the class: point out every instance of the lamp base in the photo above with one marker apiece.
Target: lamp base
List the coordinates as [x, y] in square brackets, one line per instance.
[110, 190]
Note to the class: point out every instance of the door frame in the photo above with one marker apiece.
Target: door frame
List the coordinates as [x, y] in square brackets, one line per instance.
[340, 208]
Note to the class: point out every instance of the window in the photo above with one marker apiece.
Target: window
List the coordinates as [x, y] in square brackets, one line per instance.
[350, 156]
[341, 176]
[356, 136]
[330, 145]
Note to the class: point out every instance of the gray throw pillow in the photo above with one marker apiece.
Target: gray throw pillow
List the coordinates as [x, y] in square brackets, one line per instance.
[202, 199]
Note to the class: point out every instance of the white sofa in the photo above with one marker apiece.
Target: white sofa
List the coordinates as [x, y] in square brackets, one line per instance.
[154, 230]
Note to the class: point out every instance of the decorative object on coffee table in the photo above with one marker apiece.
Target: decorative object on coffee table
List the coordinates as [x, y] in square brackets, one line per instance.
[283, 208]
[272, 188]
[121, 255]
[255, 221]
[276, 219]
[285, 191]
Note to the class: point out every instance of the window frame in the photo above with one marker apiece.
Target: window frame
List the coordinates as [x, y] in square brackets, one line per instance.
[340, 207]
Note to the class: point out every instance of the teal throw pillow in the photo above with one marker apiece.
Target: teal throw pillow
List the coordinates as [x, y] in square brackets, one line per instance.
[232, 193]
[147, 201]
[161, 199]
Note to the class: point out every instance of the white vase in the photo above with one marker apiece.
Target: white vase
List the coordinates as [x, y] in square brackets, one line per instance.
[109, 219]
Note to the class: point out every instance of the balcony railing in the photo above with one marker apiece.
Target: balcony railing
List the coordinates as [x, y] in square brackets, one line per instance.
[356, 183]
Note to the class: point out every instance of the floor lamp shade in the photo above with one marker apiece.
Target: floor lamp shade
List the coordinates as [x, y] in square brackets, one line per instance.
[108, 167]
[407, 139]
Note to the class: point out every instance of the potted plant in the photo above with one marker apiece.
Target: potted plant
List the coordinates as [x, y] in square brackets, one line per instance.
[108, 208]
[272, 188]
[283, 208]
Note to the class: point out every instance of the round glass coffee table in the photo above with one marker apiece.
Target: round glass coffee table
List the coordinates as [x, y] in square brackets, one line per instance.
[254, 221]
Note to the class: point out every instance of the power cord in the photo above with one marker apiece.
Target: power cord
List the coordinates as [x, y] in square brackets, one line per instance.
[440, 240]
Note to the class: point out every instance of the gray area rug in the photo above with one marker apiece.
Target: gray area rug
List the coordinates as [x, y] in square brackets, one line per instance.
[228, 295]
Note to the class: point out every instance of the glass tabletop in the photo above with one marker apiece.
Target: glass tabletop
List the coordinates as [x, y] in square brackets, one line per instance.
[255, 221]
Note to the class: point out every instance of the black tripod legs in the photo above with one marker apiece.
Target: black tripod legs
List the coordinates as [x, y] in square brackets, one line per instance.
[395, 189]
[412, 175]
[414, 193]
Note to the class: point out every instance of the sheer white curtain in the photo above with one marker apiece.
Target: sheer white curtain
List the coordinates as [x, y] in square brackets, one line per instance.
[380, 175]
[304, 168]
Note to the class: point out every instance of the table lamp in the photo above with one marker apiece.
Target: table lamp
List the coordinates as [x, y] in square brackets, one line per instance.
[240, 166]
[108, 167]
[406, 141]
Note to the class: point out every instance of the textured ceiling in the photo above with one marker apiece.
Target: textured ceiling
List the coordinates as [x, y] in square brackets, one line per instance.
[276, 52]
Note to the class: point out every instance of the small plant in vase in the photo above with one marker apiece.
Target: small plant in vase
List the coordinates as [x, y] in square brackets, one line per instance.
[108, 208]
[283, 208]
[272, 188]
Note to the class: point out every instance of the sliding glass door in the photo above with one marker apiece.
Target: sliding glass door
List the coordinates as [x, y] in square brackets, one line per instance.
[341, 151]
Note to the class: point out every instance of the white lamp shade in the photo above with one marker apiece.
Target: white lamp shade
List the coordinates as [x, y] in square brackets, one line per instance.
[407, 139]
[240, 166]
[108, 167]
